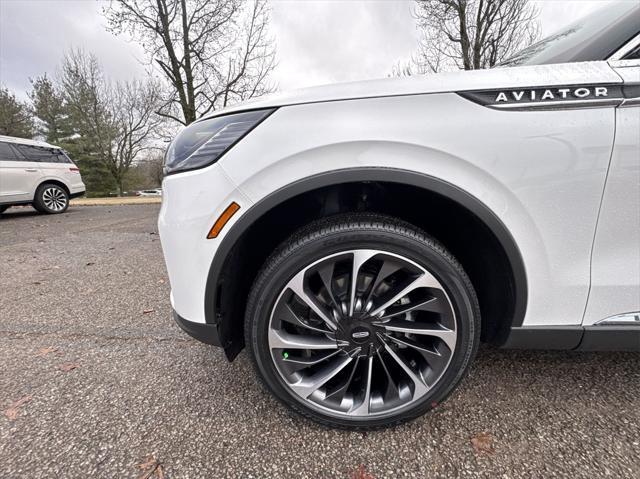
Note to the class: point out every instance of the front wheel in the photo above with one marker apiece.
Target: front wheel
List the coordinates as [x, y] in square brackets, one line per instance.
[51, 198]
[362, 321]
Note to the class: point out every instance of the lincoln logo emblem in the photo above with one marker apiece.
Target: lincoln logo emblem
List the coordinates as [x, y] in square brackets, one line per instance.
[360, 334]
[551, 94]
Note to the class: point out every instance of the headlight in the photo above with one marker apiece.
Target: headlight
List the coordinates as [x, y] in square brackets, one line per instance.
[204, 142]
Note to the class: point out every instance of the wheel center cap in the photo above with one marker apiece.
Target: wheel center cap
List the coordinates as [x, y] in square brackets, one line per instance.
[360, 334]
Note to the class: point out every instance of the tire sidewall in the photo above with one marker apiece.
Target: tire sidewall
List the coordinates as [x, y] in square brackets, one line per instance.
[425, 253]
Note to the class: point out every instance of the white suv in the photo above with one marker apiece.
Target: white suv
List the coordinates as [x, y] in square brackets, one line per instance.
[37, 173]
[361, 240]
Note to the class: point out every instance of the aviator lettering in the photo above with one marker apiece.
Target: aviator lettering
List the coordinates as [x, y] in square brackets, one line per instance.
[551, 94]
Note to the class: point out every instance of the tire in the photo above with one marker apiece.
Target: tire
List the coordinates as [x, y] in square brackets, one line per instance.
[51, 198]
[393, 348]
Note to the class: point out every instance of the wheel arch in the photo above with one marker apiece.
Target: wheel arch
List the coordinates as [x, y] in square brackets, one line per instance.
[218, 304]
[54, 181]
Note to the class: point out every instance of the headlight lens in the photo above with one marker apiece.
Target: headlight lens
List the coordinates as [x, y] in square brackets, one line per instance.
[204, 142]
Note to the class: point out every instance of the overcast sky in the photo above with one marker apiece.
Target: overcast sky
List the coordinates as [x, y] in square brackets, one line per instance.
[318, 41]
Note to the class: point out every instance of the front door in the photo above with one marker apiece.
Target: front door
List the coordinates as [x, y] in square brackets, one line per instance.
[614, 299]
[18, 177]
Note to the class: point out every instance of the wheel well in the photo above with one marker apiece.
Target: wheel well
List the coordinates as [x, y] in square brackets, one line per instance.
[461, 231]
[55, 182]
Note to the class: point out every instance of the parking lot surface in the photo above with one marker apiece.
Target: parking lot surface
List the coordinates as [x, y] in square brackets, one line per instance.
[97, 381]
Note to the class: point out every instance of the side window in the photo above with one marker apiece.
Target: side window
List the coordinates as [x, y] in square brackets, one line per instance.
[633, 54]
[37, 154]
[62, 157]
[7, 153]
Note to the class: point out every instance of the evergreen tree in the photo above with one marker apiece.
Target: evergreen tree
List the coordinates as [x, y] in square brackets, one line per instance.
[16, 118]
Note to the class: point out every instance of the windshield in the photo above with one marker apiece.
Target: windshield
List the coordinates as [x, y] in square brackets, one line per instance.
[594, 37]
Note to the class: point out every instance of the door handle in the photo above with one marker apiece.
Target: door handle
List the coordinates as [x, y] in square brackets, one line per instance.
[31, 170]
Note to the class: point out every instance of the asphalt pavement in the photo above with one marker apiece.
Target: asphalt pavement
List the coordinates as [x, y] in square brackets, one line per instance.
[97, 381]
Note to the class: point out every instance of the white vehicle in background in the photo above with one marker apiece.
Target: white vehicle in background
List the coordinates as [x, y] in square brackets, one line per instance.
[37, 173]
[154, 192]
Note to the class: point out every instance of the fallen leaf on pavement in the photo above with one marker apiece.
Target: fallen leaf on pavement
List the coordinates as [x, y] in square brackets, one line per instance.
[149, 462]
[152, 468]
[66, 367]
[483, 443]
[147, 311]
[361, 473]
[161, 281]
[45, 351]
[12, 412]
[90, 263]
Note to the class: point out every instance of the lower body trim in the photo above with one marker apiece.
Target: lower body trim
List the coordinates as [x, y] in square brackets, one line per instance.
[590, 338]
[206, 333]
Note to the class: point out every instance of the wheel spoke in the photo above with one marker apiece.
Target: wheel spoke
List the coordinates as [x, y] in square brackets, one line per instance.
[391, 390]
[425, 280]
[308, 385]
[340, 392]
[411, 327]
[296, 363]
[326, 275]
[363, 408]
[425, 351]
[430, 304]
[420, 386]
[285, 313]
[360, 257]
[387, 268]
[297, 286]
[283, 340]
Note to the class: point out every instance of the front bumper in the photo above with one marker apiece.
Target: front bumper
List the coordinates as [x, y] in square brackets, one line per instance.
[206, 333]
[191, 203]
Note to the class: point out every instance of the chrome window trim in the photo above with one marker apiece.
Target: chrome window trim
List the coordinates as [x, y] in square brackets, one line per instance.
[629, 46]
[624, 63]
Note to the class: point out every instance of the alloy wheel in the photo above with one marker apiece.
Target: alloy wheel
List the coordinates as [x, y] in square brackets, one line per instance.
[362, 333]
[54, 199]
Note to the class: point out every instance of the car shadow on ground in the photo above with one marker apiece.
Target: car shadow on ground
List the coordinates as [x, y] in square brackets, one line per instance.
[19, 212]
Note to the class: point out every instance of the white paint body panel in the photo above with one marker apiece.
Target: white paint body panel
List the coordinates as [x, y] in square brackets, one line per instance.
[615, 278]
[18, 180]
[191, 202]
[541, 172]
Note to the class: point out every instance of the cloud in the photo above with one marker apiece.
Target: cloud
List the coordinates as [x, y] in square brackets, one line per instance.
[35, 34]
[318, 41]
[329, 41]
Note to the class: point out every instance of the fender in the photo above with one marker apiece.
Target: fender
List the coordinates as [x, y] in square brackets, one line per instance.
[351, 175]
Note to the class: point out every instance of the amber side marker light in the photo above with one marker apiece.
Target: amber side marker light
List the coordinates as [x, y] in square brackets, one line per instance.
[223, 219]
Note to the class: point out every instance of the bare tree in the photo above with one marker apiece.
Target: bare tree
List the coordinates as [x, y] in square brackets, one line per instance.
[115, 121]
[472, 34]
[211, 52]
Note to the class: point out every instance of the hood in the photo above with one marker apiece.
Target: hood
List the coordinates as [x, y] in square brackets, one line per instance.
[496, 78]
